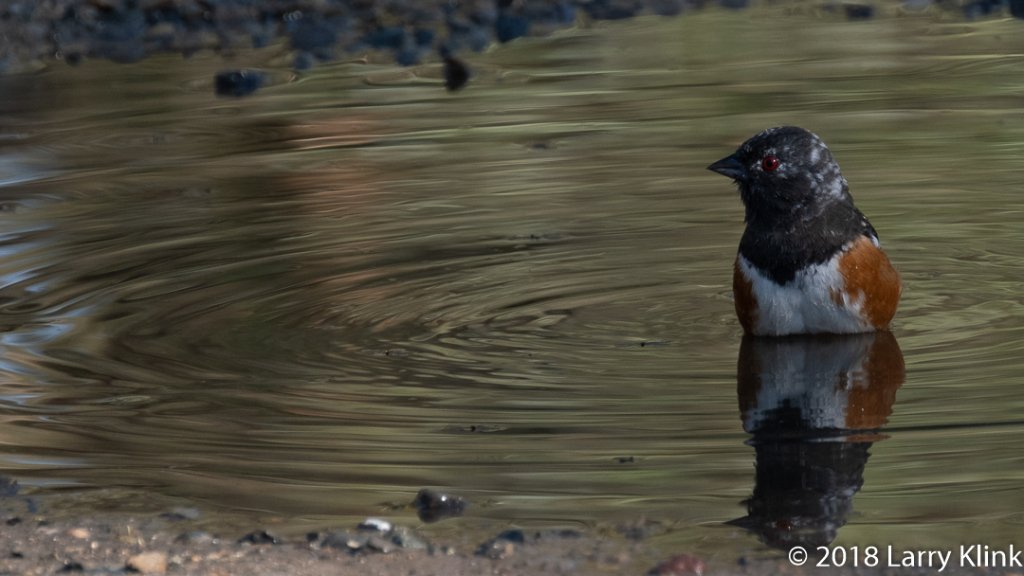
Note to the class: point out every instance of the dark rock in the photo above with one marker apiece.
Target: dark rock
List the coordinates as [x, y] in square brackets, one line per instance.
[196, 537]
[456, 73]
[1017, 8]
[239, 83]
[514, 535]
[503, 545]
[433, 506]
[71, 566]
[8, 487]
[859, 11]
[259, 537]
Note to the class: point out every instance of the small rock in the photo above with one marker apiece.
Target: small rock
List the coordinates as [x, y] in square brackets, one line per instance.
[375, 525]
[79, 533]
[148, 563]
[859, 11]
[71, 566]
[432, 506]
[503, 545]
[406, 538]
[238, 83]
[338, 539]
[456, 73]
[196, 537]
[8, 487]
[181, 513]
[497, 549]
[681, 565]
[259, 537]
[379, 544]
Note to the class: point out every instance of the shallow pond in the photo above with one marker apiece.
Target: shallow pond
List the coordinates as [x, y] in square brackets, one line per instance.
[311, 303]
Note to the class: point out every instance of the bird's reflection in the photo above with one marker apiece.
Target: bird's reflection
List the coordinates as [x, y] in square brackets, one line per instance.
[814, 406]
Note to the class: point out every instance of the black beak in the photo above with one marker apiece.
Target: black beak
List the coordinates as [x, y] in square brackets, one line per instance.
[729, 166]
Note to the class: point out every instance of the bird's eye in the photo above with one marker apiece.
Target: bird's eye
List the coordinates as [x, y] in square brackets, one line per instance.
[770, 163]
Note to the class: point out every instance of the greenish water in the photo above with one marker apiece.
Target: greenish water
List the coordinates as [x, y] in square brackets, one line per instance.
[313, 302]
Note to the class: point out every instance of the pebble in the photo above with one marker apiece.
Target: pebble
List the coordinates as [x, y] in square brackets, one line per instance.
[148, 563]
[181, 513]
[79, 533]
[373, 535]
[375, 525]
[238, 83]
[681, 565]
[503, 545]
[259, 537]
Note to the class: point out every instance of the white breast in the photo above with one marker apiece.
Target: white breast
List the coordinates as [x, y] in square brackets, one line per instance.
[806, 304]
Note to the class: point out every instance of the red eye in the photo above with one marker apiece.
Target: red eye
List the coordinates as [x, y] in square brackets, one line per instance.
[769, 163]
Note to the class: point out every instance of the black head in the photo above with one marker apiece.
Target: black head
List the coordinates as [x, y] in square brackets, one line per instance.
[783, 173]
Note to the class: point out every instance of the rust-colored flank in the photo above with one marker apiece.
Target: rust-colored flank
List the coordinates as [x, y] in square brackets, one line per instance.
[866, 270]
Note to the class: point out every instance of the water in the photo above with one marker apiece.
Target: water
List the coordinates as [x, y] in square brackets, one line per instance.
[309, 304]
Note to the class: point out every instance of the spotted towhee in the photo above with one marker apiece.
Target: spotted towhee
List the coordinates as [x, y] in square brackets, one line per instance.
[809, 261]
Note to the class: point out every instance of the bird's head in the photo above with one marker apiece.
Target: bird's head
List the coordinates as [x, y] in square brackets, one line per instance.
[784, 172]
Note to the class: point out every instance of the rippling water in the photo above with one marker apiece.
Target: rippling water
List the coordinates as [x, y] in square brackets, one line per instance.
[313, 302]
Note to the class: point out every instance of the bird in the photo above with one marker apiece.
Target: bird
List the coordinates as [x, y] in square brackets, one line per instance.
[809, 262]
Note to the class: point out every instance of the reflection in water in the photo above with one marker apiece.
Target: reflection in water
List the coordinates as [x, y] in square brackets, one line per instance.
[814, 406]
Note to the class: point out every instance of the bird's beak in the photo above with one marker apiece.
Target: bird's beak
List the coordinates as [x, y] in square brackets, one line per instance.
[729, 166]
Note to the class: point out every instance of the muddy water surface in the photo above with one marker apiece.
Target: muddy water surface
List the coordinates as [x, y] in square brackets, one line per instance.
[313, 302]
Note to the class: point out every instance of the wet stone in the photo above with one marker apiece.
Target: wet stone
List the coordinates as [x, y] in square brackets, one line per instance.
[259, 537]
[456, 73]
[196, 537]
[238, 83]
[433, 506]
[180, 514]
[407, 539]
[503, 545]
[375, 525]
[858, 11]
